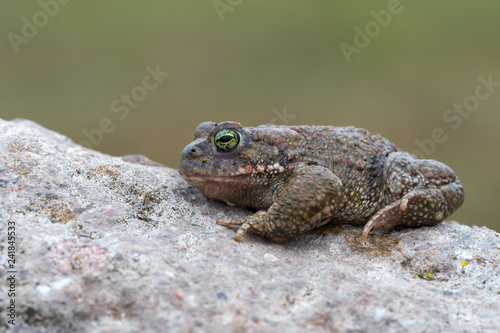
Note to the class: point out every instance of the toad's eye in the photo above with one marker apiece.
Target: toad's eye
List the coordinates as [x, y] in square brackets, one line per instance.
[226, 140]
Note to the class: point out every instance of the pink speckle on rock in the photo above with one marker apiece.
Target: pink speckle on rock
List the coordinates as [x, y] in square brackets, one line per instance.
[179, 294]
[112, 211]
[78, 255]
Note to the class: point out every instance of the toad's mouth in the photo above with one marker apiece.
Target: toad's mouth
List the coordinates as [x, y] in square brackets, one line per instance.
[199, 180]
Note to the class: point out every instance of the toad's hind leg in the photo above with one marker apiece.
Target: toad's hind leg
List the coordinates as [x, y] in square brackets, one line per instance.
[300, 204]
[420, 192]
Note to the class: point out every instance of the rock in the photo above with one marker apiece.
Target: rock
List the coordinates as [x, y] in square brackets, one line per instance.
[107, 244]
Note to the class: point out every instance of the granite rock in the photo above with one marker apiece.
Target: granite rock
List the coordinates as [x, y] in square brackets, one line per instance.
[110, 244]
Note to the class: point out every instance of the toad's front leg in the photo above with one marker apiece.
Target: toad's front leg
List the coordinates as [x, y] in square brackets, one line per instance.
[301, 204]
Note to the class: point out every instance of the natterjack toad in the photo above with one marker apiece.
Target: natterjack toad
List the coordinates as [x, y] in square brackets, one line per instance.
[301, 177]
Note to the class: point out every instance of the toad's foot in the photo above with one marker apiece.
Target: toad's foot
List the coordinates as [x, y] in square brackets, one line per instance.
[245, 224]
[300, 204]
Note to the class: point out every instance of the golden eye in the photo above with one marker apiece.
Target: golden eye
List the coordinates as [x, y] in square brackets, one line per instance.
[226, 140]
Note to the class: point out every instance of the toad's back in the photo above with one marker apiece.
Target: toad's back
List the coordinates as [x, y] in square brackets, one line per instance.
[357, 157]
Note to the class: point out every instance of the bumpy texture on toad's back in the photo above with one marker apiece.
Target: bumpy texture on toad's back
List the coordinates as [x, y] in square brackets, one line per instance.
[301, 177]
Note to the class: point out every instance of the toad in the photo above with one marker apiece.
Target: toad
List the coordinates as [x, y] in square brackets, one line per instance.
[301, 177]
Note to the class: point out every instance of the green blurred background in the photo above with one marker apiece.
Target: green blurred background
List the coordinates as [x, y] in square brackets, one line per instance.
[258, 62]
